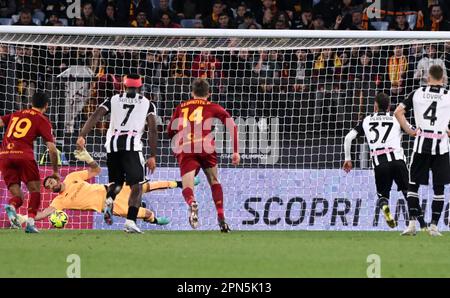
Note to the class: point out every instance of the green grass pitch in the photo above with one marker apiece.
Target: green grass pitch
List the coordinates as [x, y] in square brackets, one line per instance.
[212, 254]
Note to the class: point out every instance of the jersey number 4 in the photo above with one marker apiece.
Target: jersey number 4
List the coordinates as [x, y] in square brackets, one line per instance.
[430, 113]
[196, 116]
[19, 128]
[374, 128]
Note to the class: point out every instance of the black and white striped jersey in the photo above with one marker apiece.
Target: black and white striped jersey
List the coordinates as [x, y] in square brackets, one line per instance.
[127, 123]
[431, 106]
[384, 136]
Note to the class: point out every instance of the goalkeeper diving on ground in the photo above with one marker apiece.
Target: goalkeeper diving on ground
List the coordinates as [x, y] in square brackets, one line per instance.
[75, 193]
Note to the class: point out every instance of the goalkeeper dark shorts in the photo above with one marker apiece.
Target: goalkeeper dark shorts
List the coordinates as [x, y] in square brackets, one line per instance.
[388, 172]
[421, 164]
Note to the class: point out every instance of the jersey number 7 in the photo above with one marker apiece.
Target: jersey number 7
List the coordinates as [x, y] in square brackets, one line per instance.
[130, 110]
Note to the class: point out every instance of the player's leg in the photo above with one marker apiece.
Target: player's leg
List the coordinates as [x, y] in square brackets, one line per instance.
[14, 204]
[401, 178]
[383, 180]
[187, 179]
[116, 180]
[418, 174]
[30, 175]
[133, 165]
[217, 194]
[149, 216]
[189, 167]
[440, 166]
[11, 176]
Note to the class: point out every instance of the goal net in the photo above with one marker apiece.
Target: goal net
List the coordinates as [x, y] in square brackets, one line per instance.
[293, 94]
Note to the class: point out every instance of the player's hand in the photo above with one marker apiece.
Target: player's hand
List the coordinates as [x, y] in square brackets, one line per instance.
[235, 159]
[81, 142]
[83, 155]
[412, 132]
[151, 163]
[348, 166]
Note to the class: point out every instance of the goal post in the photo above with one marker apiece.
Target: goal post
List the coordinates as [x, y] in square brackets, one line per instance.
[294, 95]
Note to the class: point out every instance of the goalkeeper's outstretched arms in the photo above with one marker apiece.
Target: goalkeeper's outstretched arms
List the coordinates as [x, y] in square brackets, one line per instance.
[347, 166]
[94, 169]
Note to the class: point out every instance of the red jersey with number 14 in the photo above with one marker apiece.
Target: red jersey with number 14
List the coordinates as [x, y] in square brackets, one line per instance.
[22, 128]
[191, 125]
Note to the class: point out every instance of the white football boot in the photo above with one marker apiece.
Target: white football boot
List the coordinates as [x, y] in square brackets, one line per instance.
[411, 229]
[433, 230]
[131, 227]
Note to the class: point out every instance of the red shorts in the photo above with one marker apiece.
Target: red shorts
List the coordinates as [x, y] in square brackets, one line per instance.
[15, 171]
[194, 161]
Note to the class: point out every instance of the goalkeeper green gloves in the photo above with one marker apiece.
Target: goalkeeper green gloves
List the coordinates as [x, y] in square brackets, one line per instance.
[83, 155]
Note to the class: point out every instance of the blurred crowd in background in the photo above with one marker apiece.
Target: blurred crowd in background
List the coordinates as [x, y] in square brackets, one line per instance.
[398, 15]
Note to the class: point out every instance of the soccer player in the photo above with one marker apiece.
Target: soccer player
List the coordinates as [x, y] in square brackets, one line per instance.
[17, 162]
[75, 193]
[194, 147]
[431, 105]
[384, 136]
[130, 111]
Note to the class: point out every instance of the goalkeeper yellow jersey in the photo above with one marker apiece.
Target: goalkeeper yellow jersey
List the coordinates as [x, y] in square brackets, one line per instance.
[80, 194]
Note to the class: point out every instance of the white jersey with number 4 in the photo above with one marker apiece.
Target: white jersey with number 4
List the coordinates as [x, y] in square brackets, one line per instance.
[127, 123]
[384, 136]
[431, 107]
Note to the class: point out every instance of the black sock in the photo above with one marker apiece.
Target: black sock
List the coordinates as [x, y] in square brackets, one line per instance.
[179, 184]
[438, 203]
[413, 201]
[113, 190]
[132, 213]
[436, 208]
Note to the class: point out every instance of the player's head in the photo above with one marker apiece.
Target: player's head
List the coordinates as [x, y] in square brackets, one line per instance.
[200, 88]
[132, 83]
[40, 100]
[53, 184]
[435, 75]
[382, 102]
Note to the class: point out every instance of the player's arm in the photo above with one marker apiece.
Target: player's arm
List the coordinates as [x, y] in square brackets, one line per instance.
[152, 137]
[353, 134]
[45, 213]
[226, 119]
[101, 111]
[53, 154]
[94, 168]
[45, 131]
[400, 112]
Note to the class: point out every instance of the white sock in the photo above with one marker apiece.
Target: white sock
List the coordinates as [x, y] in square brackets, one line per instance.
[30, 221]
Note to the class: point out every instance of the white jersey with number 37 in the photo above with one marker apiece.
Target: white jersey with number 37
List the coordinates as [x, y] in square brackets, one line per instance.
[431, 107]
[384, 136]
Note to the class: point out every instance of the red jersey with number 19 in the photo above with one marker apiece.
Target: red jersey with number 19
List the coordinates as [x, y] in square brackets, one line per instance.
[23, 127]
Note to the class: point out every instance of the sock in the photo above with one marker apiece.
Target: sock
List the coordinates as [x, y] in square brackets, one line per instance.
[438, 204]
[33, 204]
[383, 200]
[414, 201]
[217, 195]
[188, 195]
[16, 202]
[113, 190]
[132, 213]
